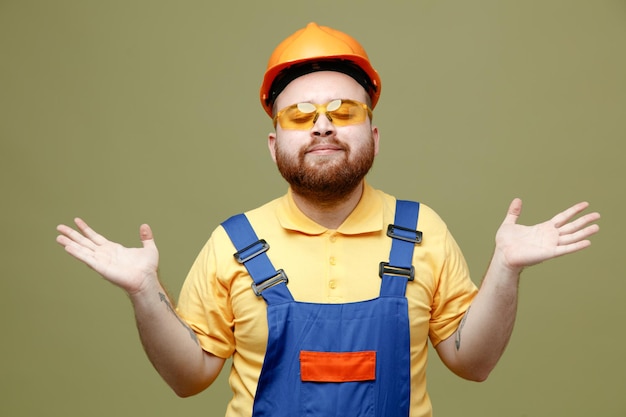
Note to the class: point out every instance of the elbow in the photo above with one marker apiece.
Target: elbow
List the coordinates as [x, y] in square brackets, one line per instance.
[184, 394]
[189, 381]
[185, 388]
[186, 391]
[476, 374]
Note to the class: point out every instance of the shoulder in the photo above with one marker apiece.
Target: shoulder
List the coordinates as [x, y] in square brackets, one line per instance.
[428, 218]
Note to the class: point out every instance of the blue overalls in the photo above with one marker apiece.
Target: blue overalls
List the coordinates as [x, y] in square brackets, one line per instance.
[342, 360]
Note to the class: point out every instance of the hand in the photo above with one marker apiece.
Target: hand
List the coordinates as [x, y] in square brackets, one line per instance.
[129, 268]
[523, 246]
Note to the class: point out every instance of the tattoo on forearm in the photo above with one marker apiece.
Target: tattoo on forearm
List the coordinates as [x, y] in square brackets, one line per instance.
[166, 300]
[458, 332]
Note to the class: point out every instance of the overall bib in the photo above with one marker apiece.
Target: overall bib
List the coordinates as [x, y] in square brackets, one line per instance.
[342, 360]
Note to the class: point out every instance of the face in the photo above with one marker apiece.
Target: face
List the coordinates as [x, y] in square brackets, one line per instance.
[326, 162]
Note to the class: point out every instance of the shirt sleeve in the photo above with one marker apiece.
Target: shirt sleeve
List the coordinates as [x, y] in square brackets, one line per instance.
[454, 294]
[204, 304]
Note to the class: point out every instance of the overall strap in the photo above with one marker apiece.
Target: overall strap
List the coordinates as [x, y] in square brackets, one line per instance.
[251, 252]
[399, 270]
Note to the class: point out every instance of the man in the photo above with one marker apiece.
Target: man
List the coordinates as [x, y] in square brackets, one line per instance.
[348, 284]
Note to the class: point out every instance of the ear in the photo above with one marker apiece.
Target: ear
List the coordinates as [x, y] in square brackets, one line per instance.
[271, 144]
[375, 137]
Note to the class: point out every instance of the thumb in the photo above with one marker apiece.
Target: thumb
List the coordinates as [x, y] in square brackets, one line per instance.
[146, 236]
[515, 209]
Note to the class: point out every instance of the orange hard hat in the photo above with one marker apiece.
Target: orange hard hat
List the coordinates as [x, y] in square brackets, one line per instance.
[317, 48]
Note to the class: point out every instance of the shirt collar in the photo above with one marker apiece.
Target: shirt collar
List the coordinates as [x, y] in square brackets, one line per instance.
[366, 217]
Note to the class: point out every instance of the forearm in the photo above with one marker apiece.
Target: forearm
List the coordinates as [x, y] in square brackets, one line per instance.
[171, 345]
[483, 334]
[473, 351]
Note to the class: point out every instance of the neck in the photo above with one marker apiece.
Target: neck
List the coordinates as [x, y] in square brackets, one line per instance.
[329, 213]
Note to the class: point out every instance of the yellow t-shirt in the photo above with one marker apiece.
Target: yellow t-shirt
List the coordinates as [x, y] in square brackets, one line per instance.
[323, 266]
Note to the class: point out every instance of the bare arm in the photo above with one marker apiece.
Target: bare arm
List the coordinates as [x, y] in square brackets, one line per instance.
[473, 351]
[170, 344]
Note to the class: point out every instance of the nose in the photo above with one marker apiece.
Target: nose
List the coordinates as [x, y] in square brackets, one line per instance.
[323, 126]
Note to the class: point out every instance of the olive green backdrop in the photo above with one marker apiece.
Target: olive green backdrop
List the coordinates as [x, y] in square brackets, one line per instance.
[125, 112]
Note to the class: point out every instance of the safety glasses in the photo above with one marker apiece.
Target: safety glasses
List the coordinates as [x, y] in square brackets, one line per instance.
[340, 112]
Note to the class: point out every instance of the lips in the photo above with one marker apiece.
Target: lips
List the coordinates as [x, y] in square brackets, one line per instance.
[324, 148]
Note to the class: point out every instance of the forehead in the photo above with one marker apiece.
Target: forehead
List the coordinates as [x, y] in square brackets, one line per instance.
[320, 87]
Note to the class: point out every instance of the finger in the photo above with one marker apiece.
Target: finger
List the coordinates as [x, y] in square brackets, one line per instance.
[89, 232]
[63, 240]
[77, 250]
[146, 236]
[579, 223]
[579, 235]
[145, 232]
[571, 248]
[566, 215]
[72, 236]
[515, 209]
[64, 230]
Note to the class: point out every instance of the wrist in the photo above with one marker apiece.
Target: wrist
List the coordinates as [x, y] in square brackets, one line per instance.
[502, 266]
[149, 286]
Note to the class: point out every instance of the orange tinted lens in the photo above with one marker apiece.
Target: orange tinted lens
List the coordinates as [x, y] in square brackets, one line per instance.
[297, 116]
[302, 116]
[347, 112]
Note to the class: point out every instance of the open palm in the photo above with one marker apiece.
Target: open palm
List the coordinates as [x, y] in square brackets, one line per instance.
[128, 268]
[529, 245]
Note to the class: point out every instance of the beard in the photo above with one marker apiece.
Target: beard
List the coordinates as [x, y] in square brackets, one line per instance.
[326, 179]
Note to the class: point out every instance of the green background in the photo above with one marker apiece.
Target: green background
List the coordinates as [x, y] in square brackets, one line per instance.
[125, 112]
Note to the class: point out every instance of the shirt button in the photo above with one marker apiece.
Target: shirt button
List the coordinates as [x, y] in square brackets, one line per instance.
[332, 260]
[332, 284]
[333, 238]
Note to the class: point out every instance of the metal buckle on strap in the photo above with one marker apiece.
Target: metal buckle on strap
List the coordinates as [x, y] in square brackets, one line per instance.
[243, 256]
[416, 235]
[385, 269]
[270, 282]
